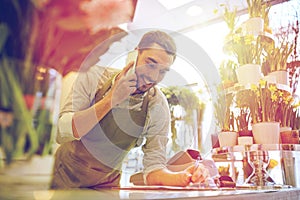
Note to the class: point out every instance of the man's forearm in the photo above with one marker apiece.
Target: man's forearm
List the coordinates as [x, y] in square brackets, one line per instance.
[168, 178]
[83, 121]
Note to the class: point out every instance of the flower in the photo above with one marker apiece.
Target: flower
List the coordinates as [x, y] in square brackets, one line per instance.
[267, 100]
[245, 49]
[38, 36]
[229, 16]
[267, 103]
[295, 117]
[260, 100]
[107, 14]
[242, 120]
[223, 115]
[287, 110]
[227, 73]
[258, 8]
[277, 57]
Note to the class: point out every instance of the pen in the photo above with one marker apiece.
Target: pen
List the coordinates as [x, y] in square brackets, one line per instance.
[197, 163]
[209, 182]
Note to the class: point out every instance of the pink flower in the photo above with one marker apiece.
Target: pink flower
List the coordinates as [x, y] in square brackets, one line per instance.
[102, 14]
[65, 31]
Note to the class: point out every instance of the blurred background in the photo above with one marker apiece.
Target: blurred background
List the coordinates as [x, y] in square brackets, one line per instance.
[44, 44]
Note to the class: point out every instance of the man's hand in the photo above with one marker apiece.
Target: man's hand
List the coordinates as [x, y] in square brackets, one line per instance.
[125, 85]
[192, 174]
[199, 173]
[168, 178]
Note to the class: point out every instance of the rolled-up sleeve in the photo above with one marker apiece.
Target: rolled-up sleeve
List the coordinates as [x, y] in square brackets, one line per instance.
[65, 132]
[81, 97]
[157, 129]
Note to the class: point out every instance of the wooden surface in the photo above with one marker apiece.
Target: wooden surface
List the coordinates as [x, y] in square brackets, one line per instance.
[33, 184]
[35, 188]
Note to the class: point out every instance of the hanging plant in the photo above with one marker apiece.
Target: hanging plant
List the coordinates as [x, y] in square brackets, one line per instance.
[186, 99]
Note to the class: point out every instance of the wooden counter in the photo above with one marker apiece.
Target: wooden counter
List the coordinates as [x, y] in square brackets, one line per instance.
[35, 188]
[288, 194]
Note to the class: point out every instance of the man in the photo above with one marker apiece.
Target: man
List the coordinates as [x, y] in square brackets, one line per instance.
[109, 112]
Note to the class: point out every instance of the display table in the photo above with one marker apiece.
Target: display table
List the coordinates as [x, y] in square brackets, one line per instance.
[288, 194]
[35, 188]
[285, 156]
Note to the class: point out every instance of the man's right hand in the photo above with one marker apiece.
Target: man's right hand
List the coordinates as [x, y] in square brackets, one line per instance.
[124, 86]
[167, 178]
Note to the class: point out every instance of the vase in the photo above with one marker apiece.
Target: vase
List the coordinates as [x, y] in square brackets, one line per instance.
[289, 137]
[253, 26]
[282, 77]
[270, 78]
[245, 140]
[248, 74]
[285, 128]
[227, 138]
[266, 132]
[259, 161]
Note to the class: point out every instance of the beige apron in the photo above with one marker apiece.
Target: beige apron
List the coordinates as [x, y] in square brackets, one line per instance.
[95, 160]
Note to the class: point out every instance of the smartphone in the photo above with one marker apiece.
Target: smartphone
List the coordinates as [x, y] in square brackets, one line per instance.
[132, 56]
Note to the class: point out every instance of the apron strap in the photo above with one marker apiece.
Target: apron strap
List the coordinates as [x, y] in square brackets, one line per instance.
[102, 91]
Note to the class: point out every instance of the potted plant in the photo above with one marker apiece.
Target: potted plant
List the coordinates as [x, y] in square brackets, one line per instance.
[276, 61]
[264, 106]
[30, 129]
[225, 119]
[246, 46]
[227, 72]
[278, 56]
[243, 121]
[230, 18]
[256, 8]
[247, 51]
[295, 117]
[293, 65]
[243, 118]
[258, 16]
[19, 137]
[291, 135]
[285, 110]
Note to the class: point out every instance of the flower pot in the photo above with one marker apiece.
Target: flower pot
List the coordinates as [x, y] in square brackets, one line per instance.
[266, 133]
[243, 133]
[282, 76]
[270, 78]
[253, 26]
[285, 128]
[227, 138]
[245, 140]
[248, 74]
[289, 137]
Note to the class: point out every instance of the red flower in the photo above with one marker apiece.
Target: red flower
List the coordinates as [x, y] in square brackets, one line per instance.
[106, 14]
[65, 31]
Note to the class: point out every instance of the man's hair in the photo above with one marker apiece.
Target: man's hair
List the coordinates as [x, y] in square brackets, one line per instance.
[161, 38]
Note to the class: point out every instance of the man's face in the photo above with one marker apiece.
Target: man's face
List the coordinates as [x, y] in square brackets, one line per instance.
[152, 65]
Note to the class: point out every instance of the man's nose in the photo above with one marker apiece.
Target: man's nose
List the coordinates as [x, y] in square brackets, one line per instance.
[153, 76]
